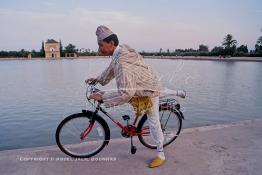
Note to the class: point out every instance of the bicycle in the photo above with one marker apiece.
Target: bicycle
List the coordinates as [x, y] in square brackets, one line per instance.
[85, 134]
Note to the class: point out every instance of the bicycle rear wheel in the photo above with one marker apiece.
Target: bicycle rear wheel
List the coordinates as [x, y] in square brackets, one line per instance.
[171, 124]
[78, 137]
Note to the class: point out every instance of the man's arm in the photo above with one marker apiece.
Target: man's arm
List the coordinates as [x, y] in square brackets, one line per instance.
[126, 84]
[107, 75]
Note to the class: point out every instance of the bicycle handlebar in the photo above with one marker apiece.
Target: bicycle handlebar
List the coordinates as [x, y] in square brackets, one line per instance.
[91, 88]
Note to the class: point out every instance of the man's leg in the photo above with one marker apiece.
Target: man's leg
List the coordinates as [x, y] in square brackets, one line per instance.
[155, 127]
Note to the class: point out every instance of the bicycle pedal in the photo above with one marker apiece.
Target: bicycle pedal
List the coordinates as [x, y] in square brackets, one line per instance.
[125, 117]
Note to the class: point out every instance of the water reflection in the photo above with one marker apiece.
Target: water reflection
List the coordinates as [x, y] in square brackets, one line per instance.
[36, 95]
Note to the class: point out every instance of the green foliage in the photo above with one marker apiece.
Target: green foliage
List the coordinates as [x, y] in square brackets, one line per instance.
[70, 48]
[229, 41]
[259, 41]
[242, 48]
[203, 48]
[258, 50]
[217, 51]
[61, 49]
[229, 45]
[42, 51]
[14, 54]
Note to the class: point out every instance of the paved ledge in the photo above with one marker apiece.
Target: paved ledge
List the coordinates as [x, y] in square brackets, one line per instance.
[208, 58]
[231, 149]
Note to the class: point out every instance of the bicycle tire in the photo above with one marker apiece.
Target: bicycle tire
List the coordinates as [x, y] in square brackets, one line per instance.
[86, 114]
[143, 121]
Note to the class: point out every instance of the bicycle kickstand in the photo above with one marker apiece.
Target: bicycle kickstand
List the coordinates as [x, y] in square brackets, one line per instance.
[133, 148]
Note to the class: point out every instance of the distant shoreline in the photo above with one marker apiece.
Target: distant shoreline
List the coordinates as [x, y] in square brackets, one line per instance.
[199, 58]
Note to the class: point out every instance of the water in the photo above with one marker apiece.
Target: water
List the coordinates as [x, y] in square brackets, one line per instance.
[36, 95]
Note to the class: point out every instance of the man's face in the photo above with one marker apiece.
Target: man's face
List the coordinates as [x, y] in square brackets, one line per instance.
[106, 49]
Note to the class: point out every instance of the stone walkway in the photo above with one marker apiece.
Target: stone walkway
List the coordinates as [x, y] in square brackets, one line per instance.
[231, 149]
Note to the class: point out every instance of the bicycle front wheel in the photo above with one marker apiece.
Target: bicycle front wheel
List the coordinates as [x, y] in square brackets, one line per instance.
[79, 137]
[171, 124]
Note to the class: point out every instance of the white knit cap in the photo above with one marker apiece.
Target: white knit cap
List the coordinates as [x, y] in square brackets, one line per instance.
[103, 32]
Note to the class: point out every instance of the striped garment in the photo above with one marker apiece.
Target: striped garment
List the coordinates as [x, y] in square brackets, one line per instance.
[133, 77]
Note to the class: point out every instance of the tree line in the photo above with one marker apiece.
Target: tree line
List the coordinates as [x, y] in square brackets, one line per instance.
[70, 48]
[228, 48]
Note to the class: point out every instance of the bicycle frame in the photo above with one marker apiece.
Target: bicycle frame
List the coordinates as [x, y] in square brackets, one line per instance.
[121, 126]
[92, 89]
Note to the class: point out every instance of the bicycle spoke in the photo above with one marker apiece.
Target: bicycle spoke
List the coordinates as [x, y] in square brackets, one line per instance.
[167, 120]
[170, 124]
[70, 137]
[161, 116]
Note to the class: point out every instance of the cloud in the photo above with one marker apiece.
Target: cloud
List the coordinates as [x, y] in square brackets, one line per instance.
[48, 3]
[26, 29]
[78, 25]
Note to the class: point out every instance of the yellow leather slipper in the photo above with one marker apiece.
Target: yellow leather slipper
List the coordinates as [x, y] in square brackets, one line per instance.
[156, 162]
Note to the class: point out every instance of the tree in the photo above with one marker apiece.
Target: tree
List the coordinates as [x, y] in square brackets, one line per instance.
[42, 50]
[259, 41]
[35, 53]
[203, 48]
[230, 45]
[61, 49]
[168, 52]
[258, 50]
[70, 48]
[229, 42]
[243, 49]
[22, 53]
[216, 51]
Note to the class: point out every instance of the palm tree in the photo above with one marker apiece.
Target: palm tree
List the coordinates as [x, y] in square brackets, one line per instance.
[229, 41]
[259, 41]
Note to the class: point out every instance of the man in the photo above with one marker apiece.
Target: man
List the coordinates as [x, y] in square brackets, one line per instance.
[133, 78]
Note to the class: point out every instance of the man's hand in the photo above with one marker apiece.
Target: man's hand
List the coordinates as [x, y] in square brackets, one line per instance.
[91, 81]
[96, 96]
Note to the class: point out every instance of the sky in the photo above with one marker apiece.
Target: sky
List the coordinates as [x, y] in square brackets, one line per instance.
[146, 25]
